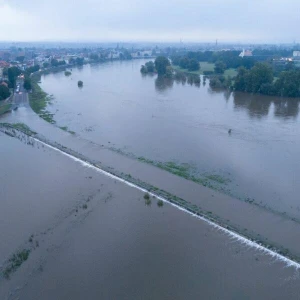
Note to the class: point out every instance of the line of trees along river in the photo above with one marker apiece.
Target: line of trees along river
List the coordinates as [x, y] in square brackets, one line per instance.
[260, 79]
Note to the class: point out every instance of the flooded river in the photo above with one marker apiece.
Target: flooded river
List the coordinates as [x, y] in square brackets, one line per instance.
[93, 237]
[187, 124]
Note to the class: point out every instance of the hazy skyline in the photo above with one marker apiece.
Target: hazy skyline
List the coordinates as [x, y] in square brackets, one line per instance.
[162, 21]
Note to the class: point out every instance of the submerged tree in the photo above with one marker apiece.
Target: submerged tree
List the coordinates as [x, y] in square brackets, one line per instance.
[161, 64]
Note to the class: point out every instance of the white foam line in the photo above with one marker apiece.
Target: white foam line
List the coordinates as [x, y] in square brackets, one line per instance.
[231, 234]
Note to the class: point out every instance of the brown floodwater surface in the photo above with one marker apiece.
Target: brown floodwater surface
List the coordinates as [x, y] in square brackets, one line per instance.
[166, 120]
[98, 240]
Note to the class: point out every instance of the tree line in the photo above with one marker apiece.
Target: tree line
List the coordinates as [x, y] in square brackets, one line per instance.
[184, 62]
[230, 59]
[260, 79]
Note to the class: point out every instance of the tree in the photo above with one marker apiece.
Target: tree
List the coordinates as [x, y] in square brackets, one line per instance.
[288, 84]
[240, 79]
[79, 61]
[150, 66]
[260, 74]
[94, 56]
[20, 59]
[184, 63]
[144, 69]
[193, 65]
[32, 69]
[4, 91]
[12, 74]
[220, 67]
[56, 63]
[46, 65]
[161, 64]
[27, 83]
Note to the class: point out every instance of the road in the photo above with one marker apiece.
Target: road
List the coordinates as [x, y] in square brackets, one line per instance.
[20, 99]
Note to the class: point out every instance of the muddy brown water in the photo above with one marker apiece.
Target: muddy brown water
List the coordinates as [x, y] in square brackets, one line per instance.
[116, 247]
[176, 121]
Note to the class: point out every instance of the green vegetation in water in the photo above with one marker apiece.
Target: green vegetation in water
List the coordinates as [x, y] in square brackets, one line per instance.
[149, 67]
[218, 178]
[160, 203]
[84, 206]
[15, 262]
[147, 199]
[80, 83]
[68, 73]
[148, 202]
[5, 108]
[38, 101]
[65, 128]
[19, 126]
[213, 181]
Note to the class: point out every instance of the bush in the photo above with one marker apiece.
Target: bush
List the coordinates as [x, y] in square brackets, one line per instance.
[160, 203]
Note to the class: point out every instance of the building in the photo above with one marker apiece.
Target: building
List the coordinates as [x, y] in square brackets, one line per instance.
[141, 54]
[296, 55]
[4, 64]
[246, 53]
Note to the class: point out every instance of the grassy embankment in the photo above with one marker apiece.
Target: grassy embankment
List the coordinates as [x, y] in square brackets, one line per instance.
[206, 66]
[39, 100]
[19, 126]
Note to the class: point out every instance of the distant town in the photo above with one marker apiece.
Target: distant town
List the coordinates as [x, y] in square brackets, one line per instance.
[228, 66]
[27, 55]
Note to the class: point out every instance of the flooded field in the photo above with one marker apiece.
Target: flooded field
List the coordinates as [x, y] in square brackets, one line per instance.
[187, 125]
[90, 236]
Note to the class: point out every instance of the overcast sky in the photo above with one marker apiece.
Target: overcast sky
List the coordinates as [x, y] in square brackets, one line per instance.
[152, 20]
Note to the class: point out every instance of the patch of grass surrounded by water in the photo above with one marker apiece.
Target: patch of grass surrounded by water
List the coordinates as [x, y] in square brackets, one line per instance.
[15, 262]
[65, 128]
